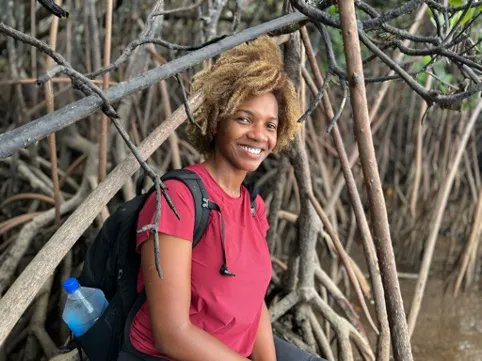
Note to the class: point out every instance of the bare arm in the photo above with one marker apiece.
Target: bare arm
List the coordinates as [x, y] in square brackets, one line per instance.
[264, 344]
[169, 300]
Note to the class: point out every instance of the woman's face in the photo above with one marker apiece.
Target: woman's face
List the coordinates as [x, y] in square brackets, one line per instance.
[245, 139]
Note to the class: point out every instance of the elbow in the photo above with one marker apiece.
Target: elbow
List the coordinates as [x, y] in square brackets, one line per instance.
[169, 340]
[164, 343]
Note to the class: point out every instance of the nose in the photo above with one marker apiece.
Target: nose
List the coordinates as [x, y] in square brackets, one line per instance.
[257, 133]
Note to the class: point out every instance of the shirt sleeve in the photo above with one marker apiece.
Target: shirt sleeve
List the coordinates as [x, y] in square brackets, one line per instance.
[261, 214]
[168, 222]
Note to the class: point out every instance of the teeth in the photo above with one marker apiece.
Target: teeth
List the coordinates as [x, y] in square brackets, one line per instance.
[251, 150]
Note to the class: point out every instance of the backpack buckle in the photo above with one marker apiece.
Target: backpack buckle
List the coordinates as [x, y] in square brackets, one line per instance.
[205, 203]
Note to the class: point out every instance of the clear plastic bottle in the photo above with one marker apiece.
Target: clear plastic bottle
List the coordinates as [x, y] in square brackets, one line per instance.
[84, 306]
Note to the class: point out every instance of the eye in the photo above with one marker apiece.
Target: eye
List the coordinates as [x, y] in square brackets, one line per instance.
[243, 120]
[272, 126]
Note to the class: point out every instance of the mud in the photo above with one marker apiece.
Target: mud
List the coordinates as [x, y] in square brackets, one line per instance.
[448, 329]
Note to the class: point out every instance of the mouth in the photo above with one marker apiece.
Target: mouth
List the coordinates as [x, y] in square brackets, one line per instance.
[251, 150]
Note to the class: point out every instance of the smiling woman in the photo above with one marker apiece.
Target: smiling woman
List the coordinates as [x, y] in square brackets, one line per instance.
[243, 140]
[248, 70]
[200, 311]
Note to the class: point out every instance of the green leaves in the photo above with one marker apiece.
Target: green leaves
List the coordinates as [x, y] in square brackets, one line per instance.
[422, 78]
[426, 60]
[455, 18]
[435, 66]
[456, 3]
[333, 10]
[444, 77]
[422, 63]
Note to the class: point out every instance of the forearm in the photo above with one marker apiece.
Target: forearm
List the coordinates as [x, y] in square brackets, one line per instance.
[169, 303]
[191, 343]
[264, 349]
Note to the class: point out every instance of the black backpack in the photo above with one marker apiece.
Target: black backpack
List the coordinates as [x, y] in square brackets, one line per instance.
[112, 265]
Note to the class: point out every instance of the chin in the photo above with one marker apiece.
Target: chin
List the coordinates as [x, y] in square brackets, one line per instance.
[248, 166]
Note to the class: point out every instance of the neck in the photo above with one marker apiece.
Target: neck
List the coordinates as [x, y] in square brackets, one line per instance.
[228, 179]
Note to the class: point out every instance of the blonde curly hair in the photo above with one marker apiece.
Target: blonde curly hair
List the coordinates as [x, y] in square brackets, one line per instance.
[247, 70]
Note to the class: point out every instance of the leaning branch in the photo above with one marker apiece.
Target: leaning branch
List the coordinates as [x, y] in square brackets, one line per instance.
[381, 228]
[80, 81]
[32, 132]
[28, 284]
[127, 52]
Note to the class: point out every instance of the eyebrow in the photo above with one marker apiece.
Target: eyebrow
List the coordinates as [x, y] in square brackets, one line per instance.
[253, 114]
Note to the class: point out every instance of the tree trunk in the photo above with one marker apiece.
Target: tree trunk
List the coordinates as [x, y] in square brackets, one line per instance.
[381, 231]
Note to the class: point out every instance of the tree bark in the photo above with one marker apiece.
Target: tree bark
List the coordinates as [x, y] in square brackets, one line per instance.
[383, 343]
[28, 134]
[137, 65]
[436, 220]
[381, 232]
[19, 296]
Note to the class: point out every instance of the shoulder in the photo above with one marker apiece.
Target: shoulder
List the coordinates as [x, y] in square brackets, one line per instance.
[261, 216]
[260, 207]
[260, 202]
[177, 191]
[177, 222]
[179, 188]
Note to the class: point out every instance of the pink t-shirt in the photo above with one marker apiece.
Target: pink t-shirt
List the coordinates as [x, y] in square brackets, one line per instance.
[228, 308]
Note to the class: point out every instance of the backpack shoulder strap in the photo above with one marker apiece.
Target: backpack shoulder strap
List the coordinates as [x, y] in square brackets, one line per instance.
[202, 207]
[253, 193]
[200, 196]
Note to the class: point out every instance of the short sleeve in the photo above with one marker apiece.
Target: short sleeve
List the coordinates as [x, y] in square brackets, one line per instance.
[261, 215]
[168, 222]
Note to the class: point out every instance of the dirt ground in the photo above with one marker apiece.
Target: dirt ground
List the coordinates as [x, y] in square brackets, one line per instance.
[448, 329]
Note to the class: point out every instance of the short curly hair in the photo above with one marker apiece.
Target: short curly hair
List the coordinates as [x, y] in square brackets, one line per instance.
[247, 70]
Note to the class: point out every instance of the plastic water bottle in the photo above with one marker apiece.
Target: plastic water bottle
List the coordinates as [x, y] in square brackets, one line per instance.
[84, 306]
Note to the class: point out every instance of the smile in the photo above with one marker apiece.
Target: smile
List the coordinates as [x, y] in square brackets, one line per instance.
[251, 150]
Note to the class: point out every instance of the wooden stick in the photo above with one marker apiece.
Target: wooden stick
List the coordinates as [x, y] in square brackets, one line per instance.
[345, 258]
[26, 286]
[472, 244]
[381, 231]
[383, 344]
[49, 98]
[436, 220]
[27, 134]
[418, 151]
[104, 120]
[33, 81]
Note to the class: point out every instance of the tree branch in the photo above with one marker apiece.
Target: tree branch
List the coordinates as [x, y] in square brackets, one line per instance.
[391, 15]
[393, 30]
[46, 260]
[429, 96]
[80, 80]
[30, 133]
[185, 8]
[147, 40]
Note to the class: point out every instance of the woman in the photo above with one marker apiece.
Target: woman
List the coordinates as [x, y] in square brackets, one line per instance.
[195, 312]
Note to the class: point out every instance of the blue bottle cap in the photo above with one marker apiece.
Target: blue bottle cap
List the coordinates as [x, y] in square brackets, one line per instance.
[71, 285]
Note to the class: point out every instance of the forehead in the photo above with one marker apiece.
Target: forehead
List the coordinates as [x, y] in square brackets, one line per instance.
[264, 105]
